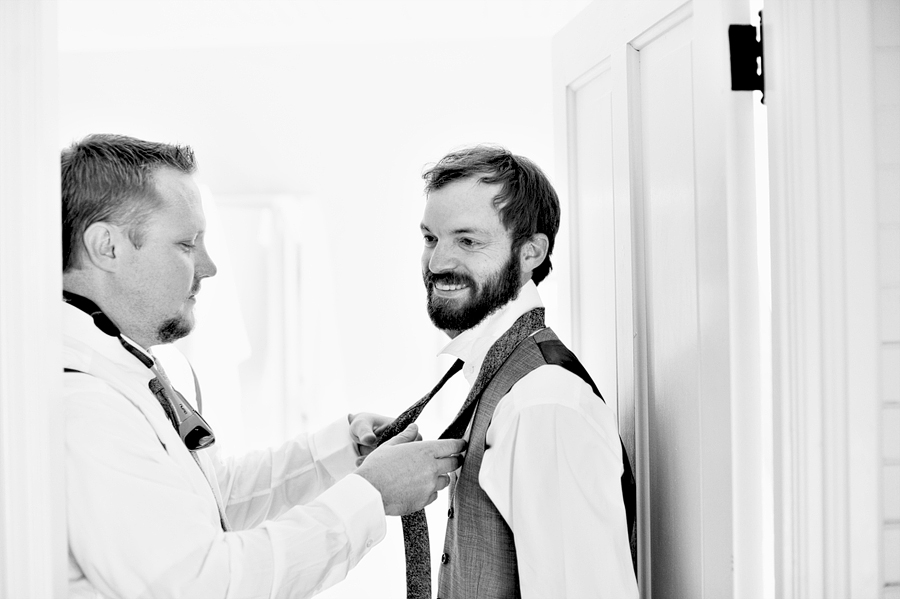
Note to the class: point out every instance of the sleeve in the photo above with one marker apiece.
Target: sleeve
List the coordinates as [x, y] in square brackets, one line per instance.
[553, 471]
[264, 484]
[139, 528]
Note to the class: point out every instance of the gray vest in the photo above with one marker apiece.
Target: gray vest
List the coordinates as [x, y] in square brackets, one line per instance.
[479, 559]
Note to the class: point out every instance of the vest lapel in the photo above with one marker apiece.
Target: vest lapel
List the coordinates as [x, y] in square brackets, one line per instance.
[524, 327]
[415, 526]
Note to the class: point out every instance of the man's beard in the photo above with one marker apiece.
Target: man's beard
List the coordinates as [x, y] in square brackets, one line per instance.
[177, 327]
[498, 290]
[174, 329]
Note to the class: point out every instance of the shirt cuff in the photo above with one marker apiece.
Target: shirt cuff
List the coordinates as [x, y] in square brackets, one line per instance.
[333, 448]
[359, 505]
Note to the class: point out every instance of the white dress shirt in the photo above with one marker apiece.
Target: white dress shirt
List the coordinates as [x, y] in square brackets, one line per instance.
[552, 468]
[142, 517]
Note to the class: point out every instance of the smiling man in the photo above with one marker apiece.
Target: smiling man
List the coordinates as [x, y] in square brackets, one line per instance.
[152, 511]
[539, 507]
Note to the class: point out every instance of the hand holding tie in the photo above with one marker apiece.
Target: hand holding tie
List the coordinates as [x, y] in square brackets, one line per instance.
[409, 473]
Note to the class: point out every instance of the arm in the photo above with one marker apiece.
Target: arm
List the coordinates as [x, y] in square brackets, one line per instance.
[264, 484]
[566, 467]
[139, 526]
[143, 522]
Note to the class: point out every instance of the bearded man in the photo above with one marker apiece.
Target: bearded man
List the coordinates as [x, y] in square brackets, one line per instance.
[543, 505]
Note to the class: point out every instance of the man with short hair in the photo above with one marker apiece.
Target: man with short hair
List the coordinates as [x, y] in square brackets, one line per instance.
[539, 507]
[152, 510]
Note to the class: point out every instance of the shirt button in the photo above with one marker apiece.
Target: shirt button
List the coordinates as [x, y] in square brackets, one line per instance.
[450, 513]
[369, 543]
[445, 558]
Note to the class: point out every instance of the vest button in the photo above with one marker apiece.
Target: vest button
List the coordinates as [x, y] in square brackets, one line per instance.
[450, 512]
[445, 558]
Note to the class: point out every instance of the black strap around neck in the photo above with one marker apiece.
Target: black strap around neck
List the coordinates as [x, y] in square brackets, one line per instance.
[103, 322]
[93, 310]
[197, 427]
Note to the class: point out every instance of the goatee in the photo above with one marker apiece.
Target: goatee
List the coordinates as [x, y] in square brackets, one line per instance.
[498, 290]
[174, 329]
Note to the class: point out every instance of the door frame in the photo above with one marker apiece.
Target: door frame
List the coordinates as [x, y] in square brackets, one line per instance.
[820, 86]
[33, 550]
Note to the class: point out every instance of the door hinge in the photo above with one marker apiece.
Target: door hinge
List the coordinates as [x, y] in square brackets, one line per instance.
[747, 66]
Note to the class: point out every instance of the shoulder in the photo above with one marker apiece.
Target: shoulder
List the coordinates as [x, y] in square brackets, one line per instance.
[552, 391]
[103, 415]
[552, 384]
[552, 403]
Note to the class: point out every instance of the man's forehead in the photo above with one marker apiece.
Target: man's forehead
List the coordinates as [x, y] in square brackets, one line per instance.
[180, 201]
[464, 195]
[462, 220]
[171, 180]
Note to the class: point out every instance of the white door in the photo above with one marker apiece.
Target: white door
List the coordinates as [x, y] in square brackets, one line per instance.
[656, 167]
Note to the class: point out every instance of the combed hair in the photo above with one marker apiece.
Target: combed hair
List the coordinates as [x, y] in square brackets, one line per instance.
[527, 202]
[109, 178]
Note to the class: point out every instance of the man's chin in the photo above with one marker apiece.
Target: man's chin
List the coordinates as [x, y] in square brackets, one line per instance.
[452, 319]
[175, 328]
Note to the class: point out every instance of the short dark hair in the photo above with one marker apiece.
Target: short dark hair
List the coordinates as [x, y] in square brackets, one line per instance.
[527, 202]
[109, 178]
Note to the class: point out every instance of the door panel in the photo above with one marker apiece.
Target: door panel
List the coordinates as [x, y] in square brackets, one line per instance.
[592, 221]
[663, 106]
[643, 105]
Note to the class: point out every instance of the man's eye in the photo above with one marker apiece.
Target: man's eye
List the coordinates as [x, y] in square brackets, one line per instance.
[429, 239]
[466, 242]
[188, 246]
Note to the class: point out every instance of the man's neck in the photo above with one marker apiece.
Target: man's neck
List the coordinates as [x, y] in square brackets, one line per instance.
[76, 283]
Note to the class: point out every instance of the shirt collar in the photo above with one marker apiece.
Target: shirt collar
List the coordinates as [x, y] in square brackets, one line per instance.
[472, 346]
[82, 334]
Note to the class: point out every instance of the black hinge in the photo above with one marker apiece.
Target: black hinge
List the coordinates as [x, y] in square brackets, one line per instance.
[747, 66]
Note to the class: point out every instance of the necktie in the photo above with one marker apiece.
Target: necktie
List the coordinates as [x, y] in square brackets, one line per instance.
[415, 525]
[166, 394]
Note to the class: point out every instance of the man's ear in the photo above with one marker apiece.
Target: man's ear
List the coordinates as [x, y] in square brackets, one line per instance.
[533, 253]
[103, 244]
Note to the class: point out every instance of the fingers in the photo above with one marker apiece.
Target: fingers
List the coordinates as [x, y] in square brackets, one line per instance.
[362, 428]
[379, 430]
[447, 447]
[449, 464]
[410, 433]
[443, 481]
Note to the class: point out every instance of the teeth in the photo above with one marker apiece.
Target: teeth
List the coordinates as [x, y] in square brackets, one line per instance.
[446, 287]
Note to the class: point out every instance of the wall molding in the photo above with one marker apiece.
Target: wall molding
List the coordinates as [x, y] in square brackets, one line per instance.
[32, 492]
[824, 296]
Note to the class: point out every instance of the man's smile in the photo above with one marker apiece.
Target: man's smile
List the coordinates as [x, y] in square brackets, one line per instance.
[449, 286]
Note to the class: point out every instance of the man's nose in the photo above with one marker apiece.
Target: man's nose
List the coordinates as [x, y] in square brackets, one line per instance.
[206, 267]
[442, 259]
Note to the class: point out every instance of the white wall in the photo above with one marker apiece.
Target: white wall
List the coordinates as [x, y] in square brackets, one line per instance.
[886, 49]
[352, 125]
[349, 126]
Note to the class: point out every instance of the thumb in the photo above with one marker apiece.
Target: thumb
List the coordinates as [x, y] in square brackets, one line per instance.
[405, 436]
